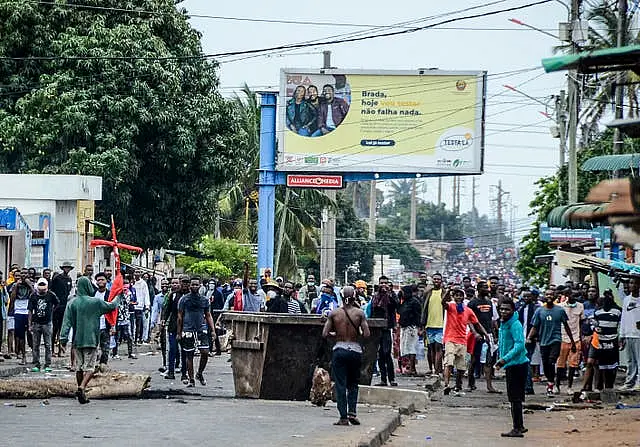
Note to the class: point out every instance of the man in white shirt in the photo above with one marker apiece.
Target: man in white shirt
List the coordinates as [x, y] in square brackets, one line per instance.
[630, 335]
[142, 305]
[105, 328]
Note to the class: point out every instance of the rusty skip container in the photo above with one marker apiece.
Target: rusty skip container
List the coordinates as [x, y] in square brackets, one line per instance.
[273, 355]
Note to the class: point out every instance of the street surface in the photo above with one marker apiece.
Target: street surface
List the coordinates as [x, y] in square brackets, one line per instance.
[478, 418]
[214, 416]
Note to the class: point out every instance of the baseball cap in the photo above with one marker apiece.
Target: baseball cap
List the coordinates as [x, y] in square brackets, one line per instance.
[42, 282]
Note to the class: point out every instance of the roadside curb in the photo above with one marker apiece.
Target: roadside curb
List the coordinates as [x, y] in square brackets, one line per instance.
[379, 436]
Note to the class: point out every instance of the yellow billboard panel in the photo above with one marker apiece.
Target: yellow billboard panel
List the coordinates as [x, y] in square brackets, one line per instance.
[426, 121]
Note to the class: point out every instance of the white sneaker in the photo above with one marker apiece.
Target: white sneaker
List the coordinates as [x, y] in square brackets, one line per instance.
[569, 391]
[556, 390]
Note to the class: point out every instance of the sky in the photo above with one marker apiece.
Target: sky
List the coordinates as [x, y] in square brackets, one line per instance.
[519, 147]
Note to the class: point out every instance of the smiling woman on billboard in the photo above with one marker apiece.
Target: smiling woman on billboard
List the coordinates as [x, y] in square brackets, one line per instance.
[309, 114]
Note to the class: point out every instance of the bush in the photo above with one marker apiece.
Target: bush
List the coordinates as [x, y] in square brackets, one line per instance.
[210, 268]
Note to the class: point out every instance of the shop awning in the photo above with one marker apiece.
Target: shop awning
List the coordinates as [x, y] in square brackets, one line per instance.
[595, 61]
[568, 216]
[618, 162]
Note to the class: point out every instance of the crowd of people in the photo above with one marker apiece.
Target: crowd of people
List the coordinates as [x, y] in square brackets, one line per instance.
[462, 326]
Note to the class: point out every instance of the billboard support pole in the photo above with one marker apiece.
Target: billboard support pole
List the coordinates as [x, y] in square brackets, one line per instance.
[267, 185]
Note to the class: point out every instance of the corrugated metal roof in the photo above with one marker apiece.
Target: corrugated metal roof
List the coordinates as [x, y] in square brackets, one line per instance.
[568, 216]
[607, 59]
[616, 162]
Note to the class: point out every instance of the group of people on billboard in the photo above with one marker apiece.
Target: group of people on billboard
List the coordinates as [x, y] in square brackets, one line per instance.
[309, 114]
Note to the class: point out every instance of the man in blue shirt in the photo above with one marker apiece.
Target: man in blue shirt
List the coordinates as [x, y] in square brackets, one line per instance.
[547, 323]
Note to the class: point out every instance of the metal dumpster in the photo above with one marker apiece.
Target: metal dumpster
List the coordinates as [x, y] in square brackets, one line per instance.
[273, 355]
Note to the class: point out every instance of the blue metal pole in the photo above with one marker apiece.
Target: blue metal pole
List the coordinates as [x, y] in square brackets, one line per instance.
[267, 185]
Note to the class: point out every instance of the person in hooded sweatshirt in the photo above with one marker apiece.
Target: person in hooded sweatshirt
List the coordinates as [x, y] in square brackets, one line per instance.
[514, 360]
[83, 316]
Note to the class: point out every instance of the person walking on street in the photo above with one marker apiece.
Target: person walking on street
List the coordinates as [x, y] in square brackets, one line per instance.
[547, 323]
[630, 334]
[19, 309]
[487, 314]
[170, 321]
[384, 305]
[410, 312]
[194, 315]
[83, 316]
[433, 321]
[346, 323]
[513, 358]
[575, 316]
[459, 317]
[61, 285]
[41, 305]
[100, 283]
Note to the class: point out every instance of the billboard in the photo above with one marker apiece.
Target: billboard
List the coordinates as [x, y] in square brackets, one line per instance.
[426, 121]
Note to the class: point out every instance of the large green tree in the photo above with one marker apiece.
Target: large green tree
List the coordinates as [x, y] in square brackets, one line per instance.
[126, 96]
[352, 247]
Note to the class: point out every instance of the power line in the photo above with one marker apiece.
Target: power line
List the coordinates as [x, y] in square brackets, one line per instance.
[286, 46]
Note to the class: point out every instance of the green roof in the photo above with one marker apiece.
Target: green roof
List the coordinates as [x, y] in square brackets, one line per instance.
[564, 216]
[607, 59]
[617, 162]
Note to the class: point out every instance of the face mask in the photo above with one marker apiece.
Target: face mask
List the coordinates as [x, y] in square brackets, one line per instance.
[311, 283]
[572, 305]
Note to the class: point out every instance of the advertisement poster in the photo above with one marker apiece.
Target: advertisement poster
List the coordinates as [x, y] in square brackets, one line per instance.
[336, 121]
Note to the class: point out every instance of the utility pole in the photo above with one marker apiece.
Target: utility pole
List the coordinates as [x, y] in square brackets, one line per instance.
[573, 109]
[372, 211]
[499, 205]
[620, 79]
[454, 180]
[412, 224]
[328, 225]
[439, 190]
[561, 120]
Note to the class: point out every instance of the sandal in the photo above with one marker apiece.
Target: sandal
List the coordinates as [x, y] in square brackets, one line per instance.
[342, 422]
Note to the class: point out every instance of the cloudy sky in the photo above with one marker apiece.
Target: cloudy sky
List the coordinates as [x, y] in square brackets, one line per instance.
[519, 146]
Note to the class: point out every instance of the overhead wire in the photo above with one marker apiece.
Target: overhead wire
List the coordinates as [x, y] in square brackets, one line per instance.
[289, 46]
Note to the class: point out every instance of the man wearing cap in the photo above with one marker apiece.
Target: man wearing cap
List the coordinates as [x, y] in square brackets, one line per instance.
[41, 305]
[61, 286]
[361, 292]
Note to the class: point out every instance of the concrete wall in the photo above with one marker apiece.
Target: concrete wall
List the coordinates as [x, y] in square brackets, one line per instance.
[57, 195]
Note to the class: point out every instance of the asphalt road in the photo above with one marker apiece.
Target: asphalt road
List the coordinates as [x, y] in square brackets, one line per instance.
[213, 416]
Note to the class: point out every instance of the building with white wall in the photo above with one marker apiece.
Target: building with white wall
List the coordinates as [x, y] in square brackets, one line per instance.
[56, 208]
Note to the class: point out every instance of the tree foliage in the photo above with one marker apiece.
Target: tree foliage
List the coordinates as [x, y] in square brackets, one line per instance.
[211, 269]
[395, 243]
[126, 96]
[228, 252]
[430, 219]
[547, 197]
[351, 242]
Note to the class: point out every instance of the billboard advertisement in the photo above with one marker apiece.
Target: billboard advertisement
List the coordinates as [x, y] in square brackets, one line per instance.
[426, 121]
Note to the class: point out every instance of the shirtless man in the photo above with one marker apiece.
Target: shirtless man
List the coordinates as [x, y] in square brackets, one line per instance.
[345, 324]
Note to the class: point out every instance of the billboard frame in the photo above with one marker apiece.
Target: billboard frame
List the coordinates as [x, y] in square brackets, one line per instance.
[360, 175]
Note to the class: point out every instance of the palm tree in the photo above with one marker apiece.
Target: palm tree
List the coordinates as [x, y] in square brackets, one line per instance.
[598, 89]
[297, 212]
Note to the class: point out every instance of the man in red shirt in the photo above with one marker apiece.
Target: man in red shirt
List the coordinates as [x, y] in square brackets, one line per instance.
[458, 317]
